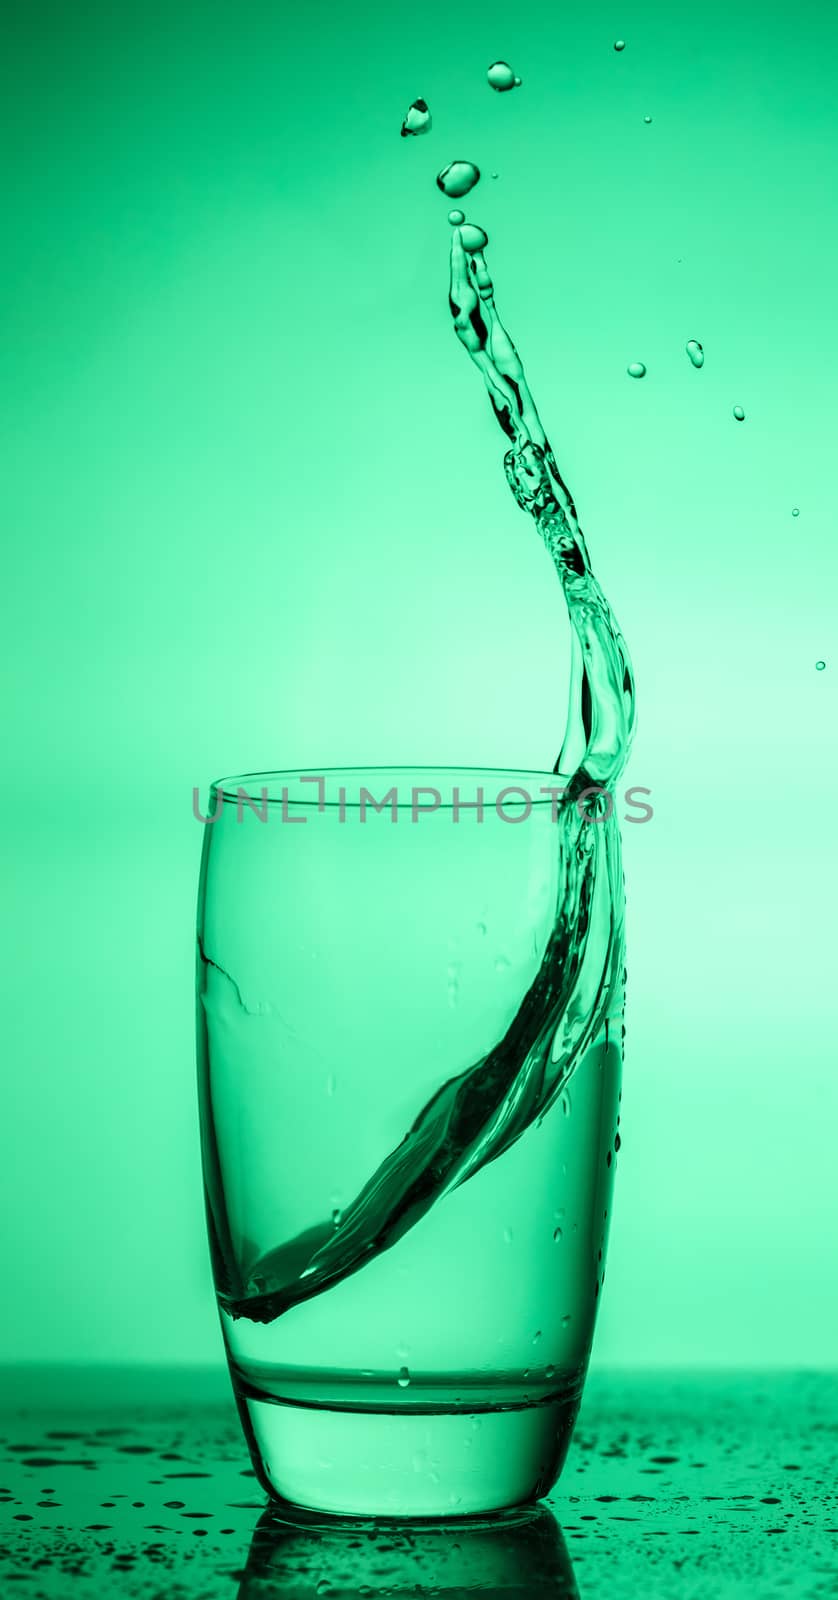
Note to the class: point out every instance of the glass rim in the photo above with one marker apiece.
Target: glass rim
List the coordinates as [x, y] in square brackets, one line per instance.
[422, 776]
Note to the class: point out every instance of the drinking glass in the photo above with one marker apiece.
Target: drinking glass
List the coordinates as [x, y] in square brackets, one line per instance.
[410, 996]
[512, 1555]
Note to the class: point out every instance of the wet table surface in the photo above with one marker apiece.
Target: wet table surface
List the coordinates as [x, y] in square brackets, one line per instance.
[122, 1483]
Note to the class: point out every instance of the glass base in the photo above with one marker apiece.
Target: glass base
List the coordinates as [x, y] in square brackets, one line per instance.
[407, 1463]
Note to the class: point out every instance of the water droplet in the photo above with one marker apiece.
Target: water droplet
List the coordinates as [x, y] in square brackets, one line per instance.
[473, 238]
[418, 119]
[502, 964]
[636, 369]
[458, 178]
[795, 511]
[695, 352]
[331, 1083]
[566, 1103]
[549, 1372]
[494, 174]
[507, 1235]
[558, 1235]
[536, 1336]
[617, 1141]
[481, 928]
[336, 1216]
[403, 1378]
[566, 1320]
[739, 413]
[619, 44]
[820, 666]
[647, 120]
[501, 77]
[455, 217]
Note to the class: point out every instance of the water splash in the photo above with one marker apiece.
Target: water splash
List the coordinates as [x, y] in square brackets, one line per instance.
[478, 1114]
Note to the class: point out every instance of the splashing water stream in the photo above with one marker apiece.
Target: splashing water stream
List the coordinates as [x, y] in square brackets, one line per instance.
[478, 1114]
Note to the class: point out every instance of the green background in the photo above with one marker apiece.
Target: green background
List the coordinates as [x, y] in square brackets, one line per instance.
[255, 516]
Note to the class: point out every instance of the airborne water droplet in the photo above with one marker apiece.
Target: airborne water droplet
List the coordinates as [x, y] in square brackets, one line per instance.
[695, 352]
[636, 369]
[455, 217]
[458, 178]
[739, 413]
[403, 1378]
[619, 44]
[473, 237]
[418, 119]
[501, 77]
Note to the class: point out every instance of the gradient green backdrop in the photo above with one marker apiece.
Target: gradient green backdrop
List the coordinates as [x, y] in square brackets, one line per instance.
[255, 516]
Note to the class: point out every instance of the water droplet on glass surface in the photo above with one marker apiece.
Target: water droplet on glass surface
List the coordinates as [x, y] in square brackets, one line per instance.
[501, 77]
[507, 1235]
[403, 1378]
[558, 1235]
[418, 119]
[739, 413]
[566, 1320]
[795, 511]
[458, 178]
[695, 352]
[647, 120]
[820, 666]
[619, 44]
[336, 1215]
[536, 1336]
[549, 1372]
[455, 217]
[473, 237]
[636, 369]
[481, 928]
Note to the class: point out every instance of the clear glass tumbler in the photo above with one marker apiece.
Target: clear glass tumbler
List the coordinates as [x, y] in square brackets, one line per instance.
[410, 998]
